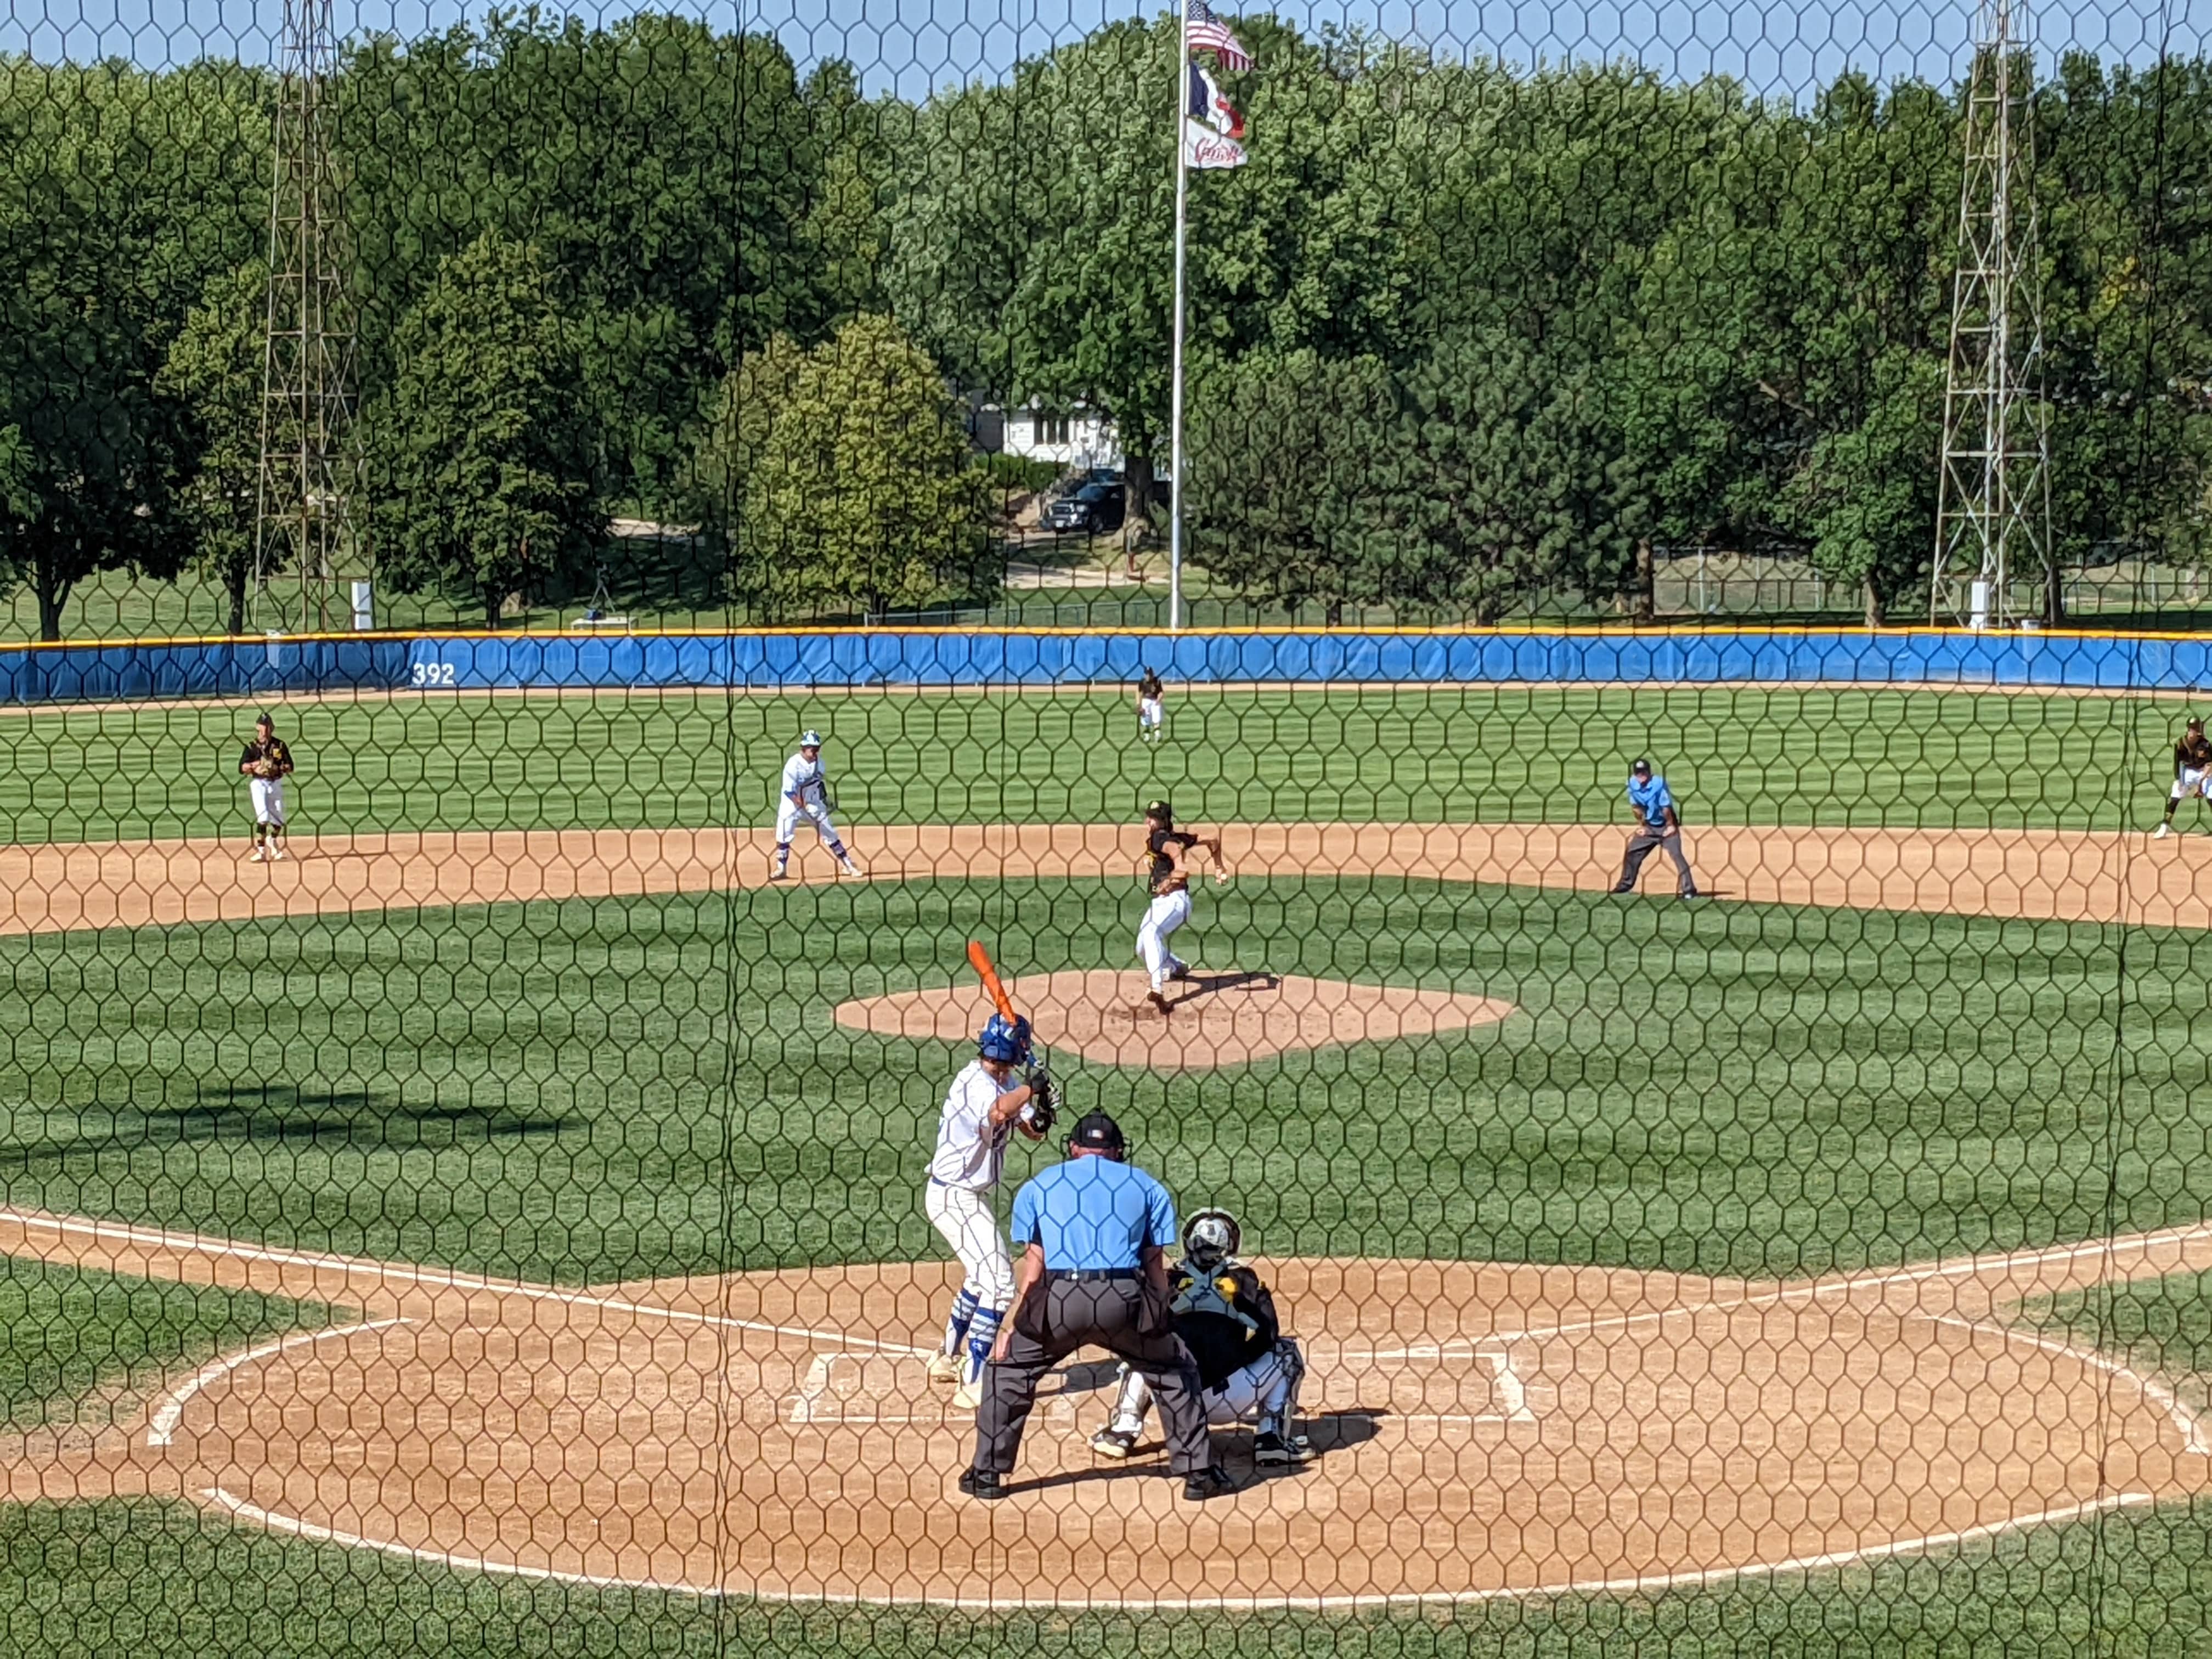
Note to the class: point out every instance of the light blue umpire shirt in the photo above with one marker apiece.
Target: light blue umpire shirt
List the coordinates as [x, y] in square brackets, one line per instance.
[1649, 796]
[1093, 1214]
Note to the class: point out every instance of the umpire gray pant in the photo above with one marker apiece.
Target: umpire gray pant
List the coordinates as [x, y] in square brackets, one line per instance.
[1642, 845]
[1054, 1319]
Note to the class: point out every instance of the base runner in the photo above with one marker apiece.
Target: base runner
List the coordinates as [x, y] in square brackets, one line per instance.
[805, 794]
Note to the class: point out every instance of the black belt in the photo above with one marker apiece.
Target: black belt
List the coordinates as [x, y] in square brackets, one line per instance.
[1088, 1275]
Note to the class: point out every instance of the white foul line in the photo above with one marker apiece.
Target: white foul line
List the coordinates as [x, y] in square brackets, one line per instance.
[1644, 1584]
[2192, 1429]
[162, 1427]
[431, 1277]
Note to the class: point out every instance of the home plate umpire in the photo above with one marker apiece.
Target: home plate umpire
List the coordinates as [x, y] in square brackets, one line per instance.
[1094, 1234]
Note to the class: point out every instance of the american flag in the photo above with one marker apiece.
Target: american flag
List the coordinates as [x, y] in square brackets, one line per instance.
[1205, 32]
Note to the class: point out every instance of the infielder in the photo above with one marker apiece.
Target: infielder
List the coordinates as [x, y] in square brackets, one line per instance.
[1152, 712]
[1167, 875]
[1249, 1369]
[1657, 826]
[265, 763]
[805, 792]
[983, 1107]
[2192, 773]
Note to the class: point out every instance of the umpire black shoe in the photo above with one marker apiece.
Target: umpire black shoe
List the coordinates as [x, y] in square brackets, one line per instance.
[1212, 1481]
[984, 1484]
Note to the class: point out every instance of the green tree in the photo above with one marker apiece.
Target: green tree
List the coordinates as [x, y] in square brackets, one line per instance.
[736, 434]
[863, 496]
[479, 451]
[1289, 456]
[213, 375]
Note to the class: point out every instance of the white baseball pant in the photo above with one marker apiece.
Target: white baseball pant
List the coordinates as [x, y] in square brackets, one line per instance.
[2193, 780]
[268, 795]
[787, 814]
[1149, 714]
[1162, 917]
[963, 1217]
[1265, 1392]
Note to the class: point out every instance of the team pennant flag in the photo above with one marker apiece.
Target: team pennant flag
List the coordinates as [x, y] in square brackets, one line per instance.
[1203, 147]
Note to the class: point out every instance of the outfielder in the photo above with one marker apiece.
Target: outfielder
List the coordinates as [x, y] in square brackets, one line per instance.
[1167, 875]
[1225, 1315]
[1151, 710]
[2192, 772]
[983, 1107]
[265, 763]
[806, 793]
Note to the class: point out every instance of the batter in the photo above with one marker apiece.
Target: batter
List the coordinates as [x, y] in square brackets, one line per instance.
[1167, 875]
[805, 794]
[983, 1107]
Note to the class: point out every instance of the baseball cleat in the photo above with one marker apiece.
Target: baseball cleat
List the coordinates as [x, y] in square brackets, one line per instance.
[276, 855]
[983, 1483]
[2164, 830]
[943, 1368]
[849, 867]
[1180, 971]
[777, 873]
[1110, 1442]
[1273, 1451]
[967, 1396]
[255, 856]
[1212, 1481]
[1157, 1001]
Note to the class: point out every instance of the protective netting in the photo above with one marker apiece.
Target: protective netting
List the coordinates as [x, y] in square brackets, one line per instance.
[1703, 1101]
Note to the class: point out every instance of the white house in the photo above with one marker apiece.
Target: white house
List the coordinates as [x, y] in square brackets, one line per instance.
[1077, 436]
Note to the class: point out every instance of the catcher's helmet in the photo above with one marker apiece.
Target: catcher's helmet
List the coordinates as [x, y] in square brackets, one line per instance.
[1210, 1238]
[1000, 1041]
[809, 739]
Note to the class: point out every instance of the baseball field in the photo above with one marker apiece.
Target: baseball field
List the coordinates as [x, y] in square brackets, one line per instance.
[497, 1228]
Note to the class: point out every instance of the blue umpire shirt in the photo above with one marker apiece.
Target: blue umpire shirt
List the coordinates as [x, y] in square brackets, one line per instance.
[1093, 1213]
[1649, 798]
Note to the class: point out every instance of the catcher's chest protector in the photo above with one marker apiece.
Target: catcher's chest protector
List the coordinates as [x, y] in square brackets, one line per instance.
[1212, 1297]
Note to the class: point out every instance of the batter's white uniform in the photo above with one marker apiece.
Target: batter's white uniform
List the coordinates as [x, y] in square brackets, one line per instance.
[805, 794]
[963, 1171]
[268, 797]
[1162, 917]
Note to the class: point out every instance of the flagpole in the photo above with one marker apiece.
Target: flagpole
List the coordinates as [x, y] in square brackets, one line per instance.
[1175, 367]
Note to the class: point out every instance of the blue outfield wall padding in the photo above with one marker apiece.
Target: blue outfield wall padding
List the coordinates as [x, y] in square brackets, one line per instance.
[140, 671]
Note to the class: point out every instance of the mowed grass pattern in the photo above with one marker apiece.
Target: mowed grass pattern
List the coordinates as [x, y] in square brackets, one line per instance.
[443, 761]
[553, 1091]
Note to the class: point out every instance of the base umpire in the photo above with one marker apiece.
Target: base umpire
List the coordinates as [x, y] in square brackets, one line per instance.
[1094, 1234]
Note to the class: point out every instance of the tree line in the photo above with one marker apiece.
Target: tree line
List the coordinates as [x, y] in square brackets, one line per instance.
[1463, 336]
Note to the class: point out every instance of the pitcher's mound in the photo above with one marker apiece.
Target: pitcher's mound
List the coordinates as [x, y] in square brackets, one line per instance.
[1212, 1019]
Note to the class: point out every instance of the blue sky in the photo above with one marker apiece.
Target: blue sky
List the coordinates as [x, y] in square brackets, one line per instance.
[917, 46]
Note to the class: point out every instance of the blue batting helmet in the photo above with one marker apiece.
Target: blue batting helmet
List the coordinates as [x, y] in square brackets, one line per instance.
[1001, 1042]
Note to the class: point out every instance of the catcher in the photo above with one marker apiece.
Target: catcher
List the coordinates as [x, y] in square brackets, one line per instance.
[1225, 1315]
[265, 763]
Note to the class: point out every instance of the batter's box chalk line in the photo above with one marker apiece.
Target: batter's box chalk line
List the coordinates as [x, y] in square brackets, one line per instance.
[835, 1388]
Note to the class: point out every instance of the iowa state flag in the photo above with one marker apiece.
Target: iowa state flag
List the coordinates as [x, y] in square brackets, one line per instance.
[1212, 125]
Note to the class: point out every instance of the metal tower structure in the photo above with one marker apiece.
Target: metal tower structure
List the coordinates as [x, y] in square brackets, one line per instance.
[303, 512]
[1993, 552]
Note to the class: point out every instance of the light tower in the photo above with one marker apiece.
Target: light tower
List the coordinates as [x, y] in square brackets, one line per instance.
[1993, 553]
[302, 512]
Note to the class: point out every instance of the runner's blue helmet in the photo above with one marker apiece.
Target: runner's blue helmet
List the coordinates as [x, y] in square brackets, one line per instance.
[1001, 1042]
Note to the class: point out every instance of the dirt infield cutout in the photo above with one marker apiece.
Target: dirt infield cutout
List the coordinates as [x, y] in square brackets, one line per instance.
[1213, 1018]
[1486, 1431]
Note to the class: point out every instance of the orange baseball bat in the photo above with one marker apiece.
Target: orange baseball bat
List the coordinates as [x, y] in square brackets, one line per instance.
[980, 960]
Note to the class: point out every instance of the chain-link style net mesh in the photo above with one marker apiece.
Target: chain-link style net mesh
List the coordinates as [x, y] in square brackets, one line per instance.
[1705, 1086]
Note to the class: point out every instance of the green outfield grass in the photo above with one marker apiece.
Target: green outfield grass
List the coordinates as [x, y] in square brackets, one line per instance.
[1740, 755]
[548, 1090]
[2164, 1325]
[65, 1331]
[150, 1578]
